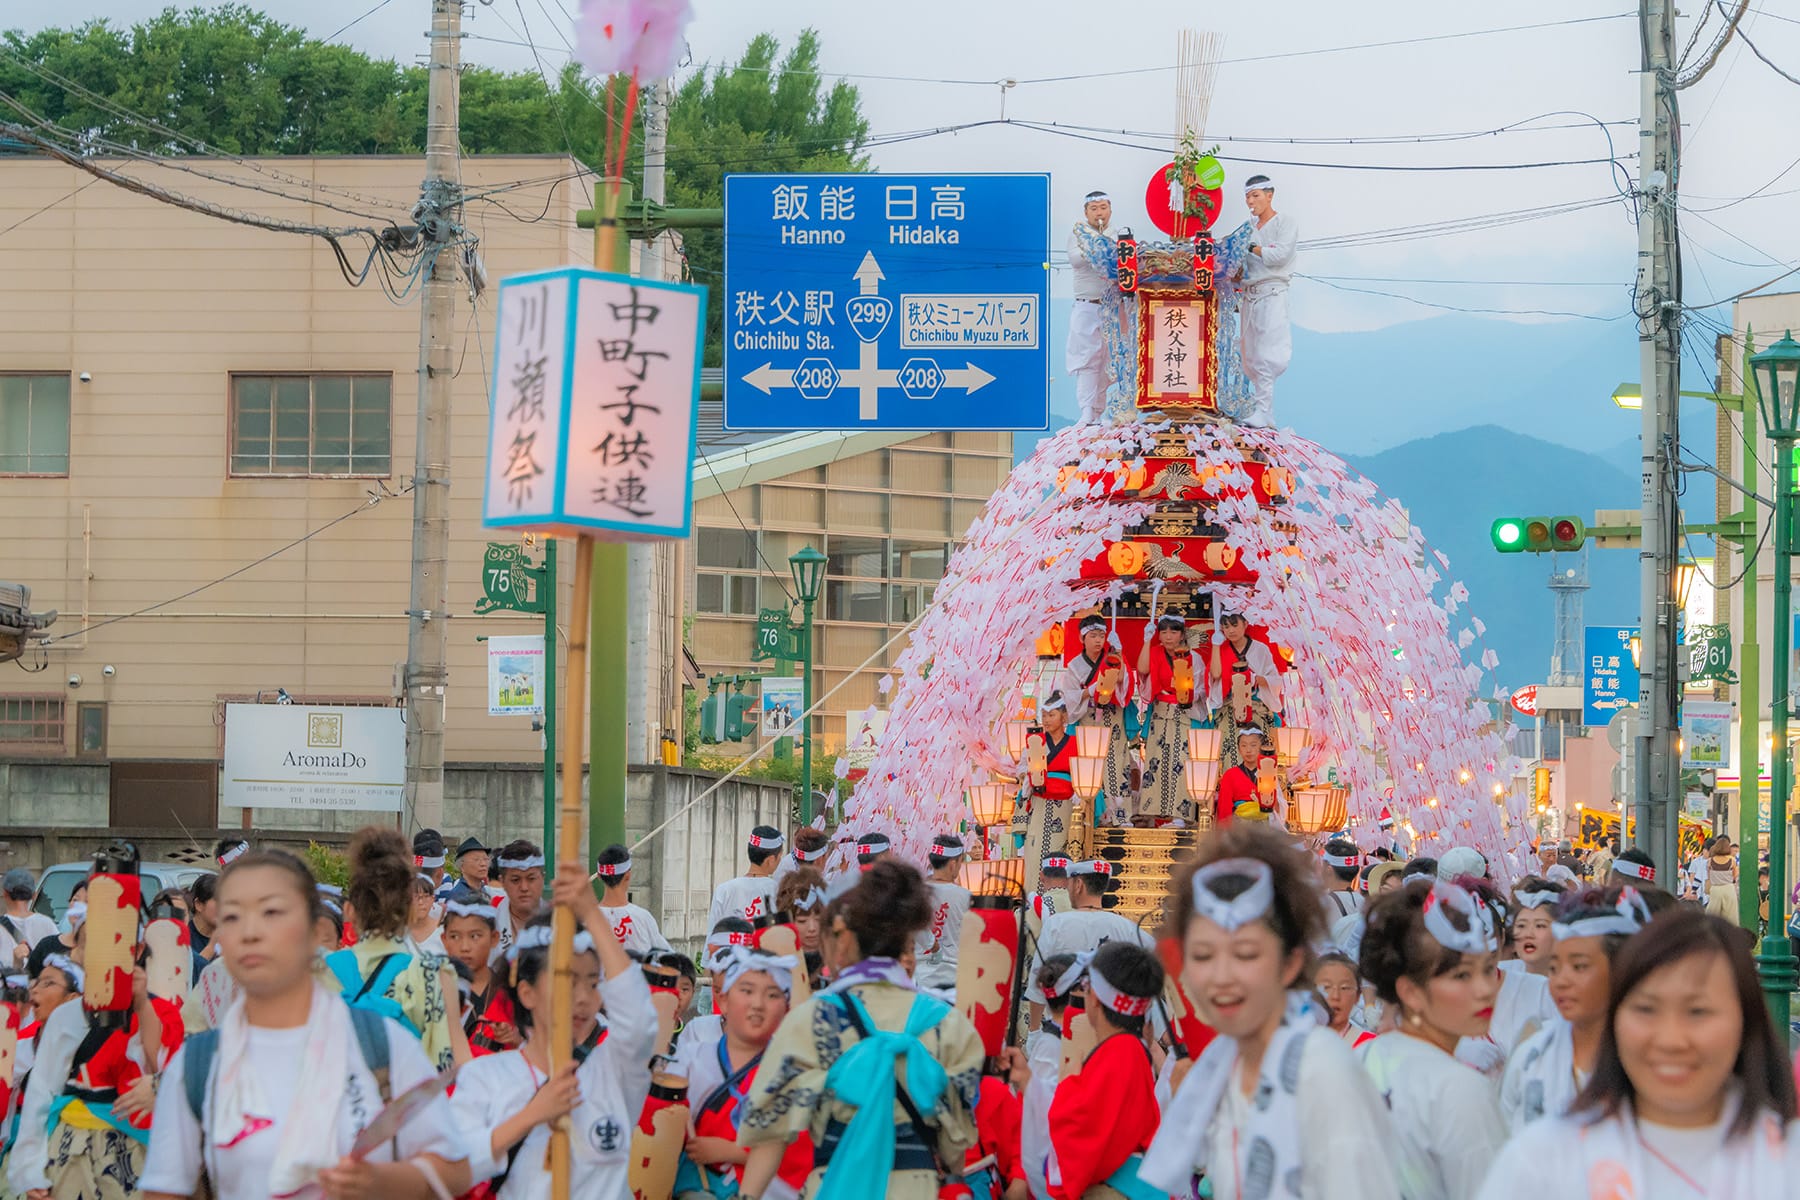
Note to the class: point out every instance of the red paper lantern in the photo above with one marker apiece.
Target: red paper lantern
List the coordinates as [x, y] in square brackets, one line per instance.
[987, 961]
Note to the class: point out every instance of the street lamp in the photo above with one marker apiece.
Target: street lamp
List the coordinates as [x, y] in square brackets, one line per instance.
[808, 566]
[1686, 571]
[1775, 371]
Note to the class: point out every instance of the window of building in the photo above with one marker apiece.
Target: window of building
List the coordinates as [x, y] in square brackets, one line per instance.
[34, 424]
[907, 601]
[865, 557]
[918, 560]
[860, 600]
[90, 728]
[731, 549]
[725, 595]
[312, 425]
[33, 723]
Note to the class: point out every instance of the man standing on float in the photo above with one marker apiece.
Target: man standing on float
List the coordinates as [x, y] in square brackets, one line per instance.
[1263, 307]
[1085, 356]
[1241, 683]
[1098, 687]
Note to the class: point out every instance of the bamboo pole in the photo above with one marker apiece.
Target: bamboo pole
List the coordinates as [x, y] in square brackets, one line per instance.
[568, 837]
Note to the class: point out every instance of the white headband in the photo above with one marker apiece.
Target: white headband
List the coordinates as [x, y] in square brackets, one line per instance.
[1262, 185]
[1111, 997]
[331, 906]
[233, 853]
[1627, 917]
[1636, 870]
[947, 845]
[1095, 198]
[539, 937]
[807, 856]
[66, 965]
[1478, 938]
[524, 863]
[876, 844]
[762, 843]
[1092, 866]
[814, 898]
[1348, 860]
[76, 912]
[612, 870]
[718, 943]
[484, 912]
[1055, 862]
[18, 981]
[1252, 904]
[425, 879]
[1536, 899]
[738, 961]
[425, 860]
[1056, 703]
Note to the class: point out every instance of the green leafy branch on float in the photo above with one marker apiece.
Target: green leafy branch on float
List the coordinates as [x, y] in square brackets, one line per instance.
[1196, 171]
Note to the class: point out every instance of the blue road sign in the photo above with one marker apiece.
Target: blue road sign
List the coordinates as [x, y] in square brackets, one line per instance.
[887, 302]
[1609, 677]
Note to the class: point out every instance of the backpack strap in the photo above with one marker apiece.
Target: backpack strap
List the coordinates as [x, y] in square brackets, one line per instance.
[201, 1048]
[372, 1040]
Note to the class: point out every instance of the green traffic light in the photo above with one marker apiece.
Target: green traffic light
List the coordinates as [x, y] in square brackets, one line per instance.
[1508, 535]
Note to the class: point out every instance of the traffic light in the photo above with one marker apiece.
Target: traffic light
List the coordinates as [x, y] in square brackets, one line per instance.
[1537, 535]
[712, 716]
[740, 716]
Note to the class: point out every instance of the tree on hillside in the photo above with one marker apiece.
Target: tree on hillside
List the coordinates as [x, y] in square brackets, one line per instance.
[237, 81]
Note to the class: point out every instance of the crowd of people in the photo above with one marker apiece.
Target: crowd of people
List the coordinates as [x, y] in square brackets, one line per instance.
[1308, 1022]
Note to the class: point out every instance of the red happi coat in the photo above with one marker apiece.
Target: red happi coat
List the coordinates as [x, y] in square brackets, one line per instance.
[1162, 676]
[1103, 1115]
[720, 1114]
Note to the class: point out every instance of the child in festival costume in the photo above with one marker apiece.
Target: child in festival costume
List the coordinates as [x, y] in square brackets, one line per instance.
[751, 894]
[1034, 1073]
[753, 1003]
[1048, 804]
[1431, 950]
[280, 1092]
[512, 1098]
[1171, 674]
[884, 1078]
[1550, 1067]
[635, 928]
[471, 931]
[1691, 1094]
[1085, 925]
[1338, 984]
[418, 988]
[520, 869]
[1276, 1096]
[1103, 1117]
[1530, 918]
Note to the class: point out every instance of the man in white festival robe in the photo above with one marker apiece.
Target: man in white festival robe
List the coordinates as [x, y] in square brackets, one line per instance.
[1084, 355]
[1263, 310]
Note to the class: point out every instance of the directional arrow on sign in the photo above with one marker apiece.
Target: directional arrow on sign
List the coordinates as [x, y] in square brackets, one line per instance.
[970, 376]
[868, 275]
[766, 378]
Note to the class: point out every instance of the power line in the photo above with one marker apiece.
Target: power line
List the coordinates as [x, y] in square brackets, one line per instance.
[374, 499]
[1461, 308]
[380, 4]
[1767, 61]
[46, 208]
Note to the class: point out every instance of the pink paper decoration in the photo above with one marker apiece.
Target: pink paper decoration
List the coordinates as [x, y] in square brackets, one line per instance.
[642, 38]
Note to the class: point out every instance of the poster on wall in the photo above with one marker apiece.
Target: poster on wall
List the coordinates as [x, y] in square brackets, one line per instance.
[515, 676]
[781, 704]
[314, 756]
[1706, 734]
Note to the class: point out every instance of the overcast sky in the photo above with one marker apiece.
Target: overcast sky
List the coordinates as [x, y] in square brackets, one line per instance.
[1742, 127]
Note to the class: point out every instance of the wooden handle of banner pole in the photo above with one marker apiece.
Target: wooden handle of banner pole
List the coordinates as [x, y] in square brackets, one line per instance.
[568, 840]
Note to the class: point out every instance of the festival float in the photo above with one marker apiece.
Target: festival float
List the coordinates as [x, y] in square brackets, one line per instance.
[1169, 506]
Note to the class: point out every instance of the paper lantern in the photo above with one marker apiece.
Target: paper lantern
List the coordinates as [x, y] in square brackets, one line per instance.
[987, 958]
[1192, 1035]
[1088, 775]
[1050, 643]
[595, 385]
[1078, 1038]
[1201, 777]
[782, 938]
[1126, 558]
[1204, 743]
[1220, 557]
[168, 958]
[657, 1139]
[1318, 809]
[115, 901]
[1291, 741]
[1278, 483]
[9, 1050]
[1016, 733]
[992, 803]
[1091, 741]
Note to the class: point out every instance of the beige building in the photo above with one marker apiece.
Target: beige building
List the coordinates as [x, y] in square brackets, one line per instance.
[886, 511]
[205, 440]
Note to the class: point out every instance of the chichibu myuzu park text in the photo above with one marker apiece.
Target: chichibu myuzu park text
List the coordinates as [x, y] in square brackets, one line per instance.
[1183, 835]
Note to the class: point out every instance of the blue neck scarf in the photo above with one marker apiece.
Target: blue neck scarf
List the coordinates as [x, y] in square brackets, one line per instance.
[865, 1077]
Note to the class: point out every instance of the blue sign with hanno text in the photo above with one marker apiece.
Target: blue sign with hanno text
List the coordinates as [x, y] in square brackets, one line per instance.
[887, 301]
[1609, 674]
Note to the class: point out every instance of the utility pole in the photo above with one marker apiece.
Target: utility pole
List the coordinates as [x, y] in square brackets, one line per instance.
[640, 745]
[439, 217]
[1658, 310]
